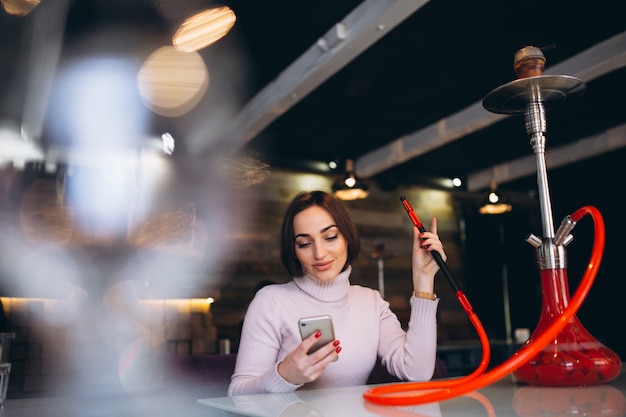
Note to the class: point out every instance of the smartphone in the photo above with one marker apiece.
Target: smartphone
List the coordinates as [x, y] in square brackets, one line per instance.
[309, 325]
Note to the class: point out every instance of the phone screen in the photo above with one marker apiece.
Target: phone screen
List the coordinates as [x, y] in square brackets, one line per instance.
[309, 325]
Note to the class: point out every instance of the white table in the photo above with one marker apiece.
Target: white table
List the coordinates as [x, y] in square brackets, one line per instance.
[504, 398]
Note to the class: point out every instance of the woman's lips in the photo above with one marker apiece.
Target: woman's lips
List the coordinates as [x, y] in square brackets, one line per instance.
[323, 266]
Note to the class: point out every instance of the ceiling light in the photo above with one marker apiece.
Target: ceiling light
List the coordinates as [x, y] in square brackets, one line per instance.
[168, 143]
[349, 186]
[495, 202]
[19, 7]
[204, 28]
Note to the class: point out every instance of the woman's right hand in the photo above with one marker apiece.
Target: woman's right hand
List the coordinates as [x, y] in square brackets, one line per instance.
[298, 368]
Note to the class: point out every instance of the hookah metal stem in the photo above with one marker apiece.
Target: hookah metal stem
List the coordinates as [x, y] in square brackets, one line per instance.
[536, 127]
[442, 265]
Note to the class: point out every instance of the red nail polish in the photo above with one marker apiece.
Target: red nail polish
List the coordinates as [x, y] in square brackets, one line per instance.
[338, 349]
[318, 335]
[336, 343]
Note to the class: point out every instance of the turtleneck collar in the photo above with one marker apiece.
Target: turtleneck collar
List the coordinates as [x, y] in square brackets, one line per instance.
[326, 291]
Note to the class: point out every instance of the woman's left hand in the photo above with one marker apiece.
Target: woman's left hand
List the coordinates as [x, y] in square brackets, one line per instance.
[424, 265]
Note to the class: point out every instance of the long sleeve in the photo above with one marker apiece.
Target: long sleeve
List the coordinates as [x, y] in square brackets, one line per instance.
[259, 351]
[410, 355]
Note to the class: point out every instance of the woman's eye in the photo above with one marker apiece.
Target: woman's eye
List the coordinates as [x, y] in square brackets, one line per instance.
[332, 237]
[302, 245]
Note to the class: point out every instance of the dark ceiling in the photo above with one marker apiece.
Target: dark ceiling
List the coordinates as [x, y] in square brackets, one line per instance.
[443, 58]
[440, 59]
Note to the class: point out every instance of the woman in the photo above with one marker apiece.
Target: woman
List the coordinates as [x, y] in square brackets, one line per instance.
[319, 242]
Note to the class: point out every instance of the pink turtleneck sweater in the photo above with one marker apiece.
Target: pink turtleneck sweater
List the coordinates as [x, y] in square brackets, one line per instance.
[363, 323]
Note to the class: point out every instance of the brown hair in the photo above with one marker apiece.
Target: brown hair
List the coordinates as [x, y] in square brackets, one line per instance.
[303, 201]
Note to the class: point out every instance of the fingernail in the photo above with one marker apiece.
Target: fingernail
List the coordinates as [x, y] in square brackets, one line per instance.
[336, 343]
[318, 335]
[338, 349]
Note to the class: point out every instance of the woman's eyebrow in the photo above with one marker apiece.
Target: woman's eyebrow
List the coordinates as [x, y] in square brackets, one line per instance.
[328, 228]
[321, 231]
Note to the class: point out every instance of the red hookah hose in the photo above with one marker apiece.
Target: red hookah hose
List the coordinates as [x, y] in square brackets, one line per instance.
[433, 391]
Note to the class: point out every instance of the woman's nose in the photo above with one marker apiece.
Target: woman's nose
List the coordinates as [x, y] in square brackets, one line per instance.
[319, 251]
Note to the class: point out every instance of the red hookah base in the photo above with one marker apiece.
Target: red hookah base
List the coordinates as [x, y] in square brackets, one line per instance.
[571, 364]
[574, 357]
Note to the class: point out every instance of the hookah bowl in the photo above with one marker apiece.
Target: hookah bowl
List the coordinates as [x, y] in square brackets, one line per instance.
[574, 357]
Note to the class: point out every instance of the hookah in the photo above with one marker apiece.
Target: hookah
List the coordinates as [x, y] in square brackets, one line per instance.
[574, 357]
[560, 352]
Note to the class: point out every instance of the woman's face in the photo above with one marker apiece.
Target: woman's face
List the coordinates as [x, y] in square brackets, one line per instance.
[320, 247]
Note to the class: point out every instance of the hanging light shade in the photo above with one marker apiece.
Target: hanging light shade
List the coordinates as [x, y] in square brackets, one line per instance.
[349, 186]
[495, 202]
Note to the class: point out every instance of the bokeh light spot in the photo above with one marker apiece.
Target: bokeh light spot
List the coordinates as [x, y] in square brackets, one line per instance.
[204, 29]
[172, 82]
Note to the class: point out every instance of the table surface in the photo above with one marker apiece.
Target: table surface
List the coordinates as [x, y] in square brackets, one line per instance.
[503, 398]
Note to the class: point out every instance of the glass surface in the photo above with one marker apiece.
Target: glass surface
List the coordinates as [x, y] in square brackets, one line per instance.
[504, 398]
